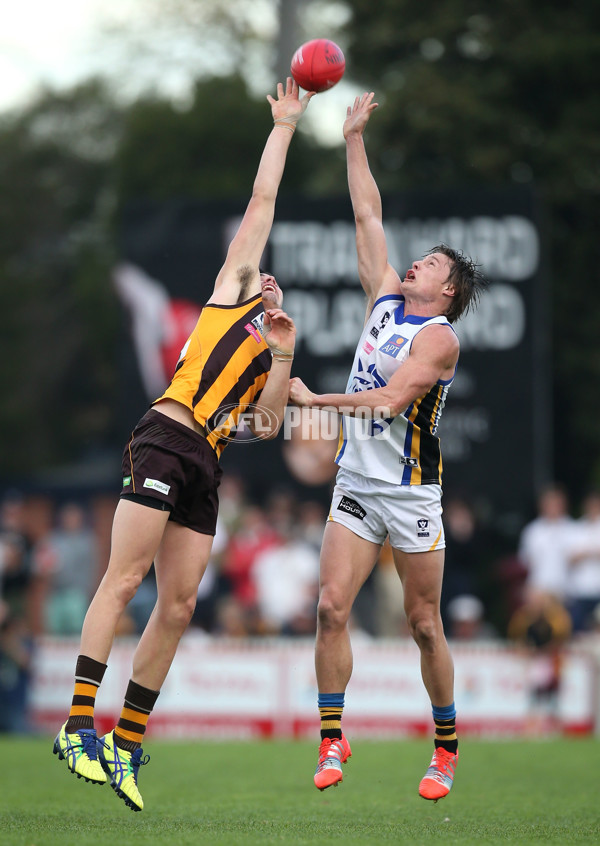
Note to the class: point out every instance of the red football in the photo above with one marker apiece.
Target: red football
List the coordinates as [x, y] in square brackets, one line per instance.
[318, 65]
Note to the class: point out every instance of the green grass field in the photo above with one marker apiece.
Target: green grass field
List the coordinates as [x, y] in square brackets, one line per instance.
[262, 793]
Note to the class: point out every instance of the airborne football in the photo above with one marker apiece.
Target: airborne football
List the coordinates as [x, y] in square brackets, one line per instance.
[318, 65]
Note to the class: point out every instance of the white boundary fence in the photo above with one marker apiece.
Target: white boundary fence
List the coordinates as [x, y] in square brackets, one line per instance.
[263, 688]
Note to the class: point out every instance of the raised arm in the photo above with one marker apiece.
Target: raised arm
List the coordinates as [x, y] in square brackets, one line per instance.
[241, 263]
[376, 274]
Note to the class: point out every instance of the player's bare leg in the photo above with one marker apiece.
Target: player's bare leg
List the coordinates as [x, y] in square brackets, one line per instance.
[346, 561]
[180, 565]
[136, 534]
[421, 575]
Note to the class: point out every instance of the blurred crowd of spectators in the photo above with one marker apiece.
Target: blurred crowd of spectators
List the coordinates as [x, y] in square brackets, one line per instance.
[540, 591]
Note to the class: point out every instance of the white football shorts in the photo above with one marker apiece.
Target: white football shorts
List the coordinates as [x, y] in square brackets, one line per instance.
[372, 509]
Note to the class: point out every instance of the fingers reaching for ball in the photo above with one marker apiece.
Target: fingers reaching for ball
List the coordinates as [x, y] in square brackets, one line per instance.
[357, 115]
[288, 105]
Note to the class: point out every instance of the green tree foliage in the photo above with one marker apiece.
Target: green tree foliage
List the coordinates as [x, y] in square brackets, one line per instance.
[496, 93]
[57, 313]
[210, 149]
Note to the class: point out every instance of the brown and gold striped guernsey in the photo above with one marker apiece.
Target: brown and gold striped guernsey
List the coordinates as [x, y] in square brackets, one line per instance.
[223, 367]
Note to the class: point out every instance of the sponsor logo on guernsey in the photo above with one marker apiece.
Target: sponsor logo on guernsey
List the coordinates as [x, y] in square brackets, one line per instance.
[422, 527]
[254, 331]
[409, 461]
[393, 345]
[351, 506]
[379, 326]
[368, 348]
[157, 486]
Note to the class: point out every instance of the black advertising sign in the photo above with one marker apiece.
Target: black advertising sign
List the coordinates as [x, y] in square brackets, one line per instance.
[495, 429]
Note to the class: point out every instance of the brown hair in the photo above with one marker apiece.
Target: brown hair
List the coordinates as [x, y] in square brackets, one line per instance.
[467, 279]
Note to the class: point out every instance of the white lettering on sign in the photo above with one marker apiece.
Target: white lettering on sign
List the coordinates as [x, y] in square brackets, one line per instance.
[330, 324]
[497, 324]
[507, 247]
[317, 253]
[327, 325]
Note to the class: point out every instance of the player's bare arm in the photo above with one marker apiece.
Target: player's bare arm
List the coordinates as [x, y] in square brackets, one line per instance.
[240, 272]
[376, 274]
[433, 356]
[280, 334]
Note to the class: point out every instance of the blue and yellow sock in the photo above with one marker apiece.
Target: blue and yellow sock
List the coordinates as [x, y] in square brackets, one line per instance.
[331, 706]
[444, 719]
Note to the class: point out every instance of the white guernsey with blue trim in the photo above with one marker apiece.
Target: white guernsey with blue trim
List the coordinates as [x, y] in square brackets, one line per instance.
[404, 450]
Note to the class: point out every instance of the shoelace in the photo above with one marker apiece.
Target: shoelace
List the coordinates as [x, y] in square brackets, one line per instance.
[88, 743]
[326, 744]
[137, 761]
[443, 763]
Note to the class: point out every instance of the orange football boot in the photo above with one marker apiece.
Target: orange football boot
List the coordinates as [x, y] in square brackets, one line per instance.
[332, 754]
[437, 781]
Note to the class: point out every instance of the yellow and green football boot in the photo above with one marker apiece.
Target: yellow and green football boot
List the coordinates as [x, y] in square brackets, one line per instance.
[122, 767]
[79, 750]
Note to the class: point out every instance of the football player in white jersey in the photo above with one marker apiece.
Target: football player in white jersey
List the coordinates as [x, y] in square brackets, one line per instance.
[389, 481]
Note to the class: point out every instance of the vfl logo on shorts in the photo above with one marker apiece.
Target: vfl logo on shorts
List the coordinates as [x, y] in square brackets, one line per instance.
[409, 461]
[422, 527]
[157, 486]
[351, 506]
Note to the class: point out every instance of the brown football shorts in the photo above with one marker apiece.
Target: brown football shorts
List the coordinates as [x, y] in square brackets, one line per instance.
[169, 466]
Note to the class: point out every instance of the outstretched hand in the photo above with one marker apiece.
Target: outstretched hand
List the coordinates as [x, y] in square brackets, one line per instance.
[357, 115]
[279, 330]
[289, 106]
